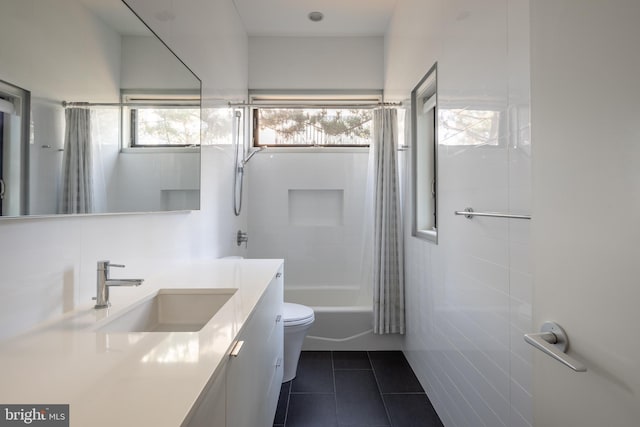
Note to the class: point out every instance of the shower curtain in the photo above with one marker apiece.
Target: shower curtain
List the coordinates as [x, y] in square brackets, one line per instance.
[388, 262]
[77, 186]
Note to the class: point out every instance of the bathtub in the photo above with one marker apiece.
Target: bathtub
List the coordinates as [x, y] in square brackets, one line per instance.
[344, 320]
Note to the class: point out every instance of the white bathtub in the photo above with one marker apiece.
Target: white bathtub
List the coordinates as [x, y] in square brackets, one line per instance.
[344, 320]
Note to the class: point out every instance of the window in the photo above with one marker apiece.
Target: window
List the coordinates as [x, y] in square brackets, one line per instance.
[313, 121]
[424, 134]
[162, 120]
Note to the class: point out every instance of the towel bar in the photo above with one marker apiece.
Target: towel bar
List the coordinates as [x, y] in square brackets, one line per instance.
[470, 213]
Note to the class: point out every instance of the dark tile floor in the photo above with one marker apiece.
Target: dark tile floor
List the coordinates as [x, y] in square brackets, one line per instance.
[354, 388]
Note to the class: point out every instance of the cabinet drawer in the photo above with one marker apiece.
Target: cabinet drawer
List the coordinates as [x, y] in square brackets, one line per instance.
[269, 308]
[271, 401]
[210, 410]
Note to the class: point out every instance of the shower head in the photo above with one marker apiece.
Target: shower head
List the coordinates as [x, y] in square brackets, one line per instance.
[251, 154]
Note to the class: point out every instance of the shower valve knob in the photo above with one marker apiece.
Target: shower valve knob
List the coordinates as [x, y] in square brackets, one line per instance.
[242, 237]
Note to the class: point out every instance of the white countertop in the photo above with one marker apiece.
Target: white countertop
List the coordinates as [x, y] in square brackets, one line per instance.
[132, 379]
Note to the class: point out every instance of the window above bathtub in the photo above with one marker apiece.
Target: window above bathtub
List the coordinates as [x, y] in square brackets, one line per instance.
[312, 119]
[161, 118]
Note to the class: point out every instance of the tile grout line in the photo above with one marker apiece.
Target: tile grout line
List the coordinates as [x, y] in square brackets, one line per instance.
[375, 377]
[405, 392]
[335, 390]
[311, 392]
[286, 408]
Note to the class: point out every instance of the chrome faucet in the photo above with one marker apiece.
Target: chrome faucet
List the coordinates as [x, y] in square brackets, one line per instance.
[104, 282]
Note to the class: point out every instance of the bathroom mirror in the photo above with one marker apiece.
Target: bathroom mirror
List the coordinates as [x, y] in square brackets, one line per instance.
[424, 153]
[128, 137]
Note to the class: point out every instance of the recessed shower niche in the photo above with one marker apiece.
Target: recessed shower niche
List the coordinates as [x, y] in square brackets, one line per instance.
[316, 208]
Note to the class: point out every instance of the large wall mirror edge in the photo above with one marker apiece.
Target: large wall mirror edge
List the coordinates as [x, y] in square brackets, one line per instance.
[103, 50]
[93, 215]
[424, 157]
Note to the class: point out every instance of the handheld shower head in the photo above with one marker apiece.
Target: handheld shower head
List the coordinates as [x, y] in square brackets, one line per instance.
[251, 154]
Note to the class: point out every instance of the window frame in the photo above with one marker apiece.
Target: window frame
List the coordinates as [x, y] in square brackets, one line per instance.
[172, 98]
[426, 91]
[319, 99]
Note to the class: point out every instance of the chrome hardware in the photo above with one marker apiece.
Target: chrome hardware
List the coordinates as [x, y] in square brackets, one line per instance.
[370, 105]
[104, 282]
[278, 318]
[251, 154]
[242, 237]
[235, 351]
[552, 340]
[470, 213]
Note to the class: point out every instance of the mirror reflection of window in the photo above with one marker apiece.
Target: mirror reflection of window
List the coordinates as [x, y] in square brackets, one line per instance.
[160, 119]
[469, 127]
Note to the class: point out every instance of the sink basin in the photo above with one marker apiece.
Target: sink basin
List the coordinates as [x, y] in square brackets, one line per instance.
[170, 310]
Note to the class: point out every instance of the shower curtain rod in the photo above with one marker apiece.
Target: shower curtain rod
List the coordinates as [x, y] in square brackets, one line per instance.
[316, 105]
[69, 104]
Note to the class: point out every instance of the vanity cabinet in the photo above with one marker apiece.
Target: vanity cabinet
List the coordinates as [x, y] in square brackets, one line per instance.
[244, 392]
[253, 374]
[210, 411]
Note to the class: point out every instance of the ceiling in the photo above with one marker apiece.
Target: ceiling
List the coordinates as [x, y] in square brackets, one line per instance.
[118, 16]
[277, 17]
[289, 17]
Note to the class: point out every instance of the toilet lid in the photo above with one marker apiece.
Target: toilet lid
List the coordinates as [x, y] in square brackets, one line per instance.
[297, 314]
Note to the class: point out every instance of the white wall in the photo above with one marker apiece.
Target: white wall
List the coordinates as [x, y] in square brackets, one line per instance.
[469, 297]
[147, 64]
[209, 37]
[100, 47]
[316, 62]
[322, 240]
[144, 180]
[45, 156]
[48, 265]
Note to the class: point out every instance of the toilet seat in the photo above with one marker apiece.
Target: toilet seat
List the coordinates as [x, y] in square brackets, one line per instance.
[297, 314]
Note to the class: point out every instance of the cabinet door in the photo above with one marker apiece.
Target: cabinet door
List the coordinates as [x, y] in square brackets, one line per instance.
[210, 411]
[250, 373]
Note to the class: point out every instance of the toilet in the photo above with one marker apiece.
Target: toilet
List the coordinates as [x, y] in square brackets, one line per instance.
[297, 321]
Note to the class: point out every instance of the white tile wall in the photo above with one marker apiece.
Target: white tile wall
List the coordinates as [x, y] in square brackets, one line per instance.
[469, 297]
[316, 254]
